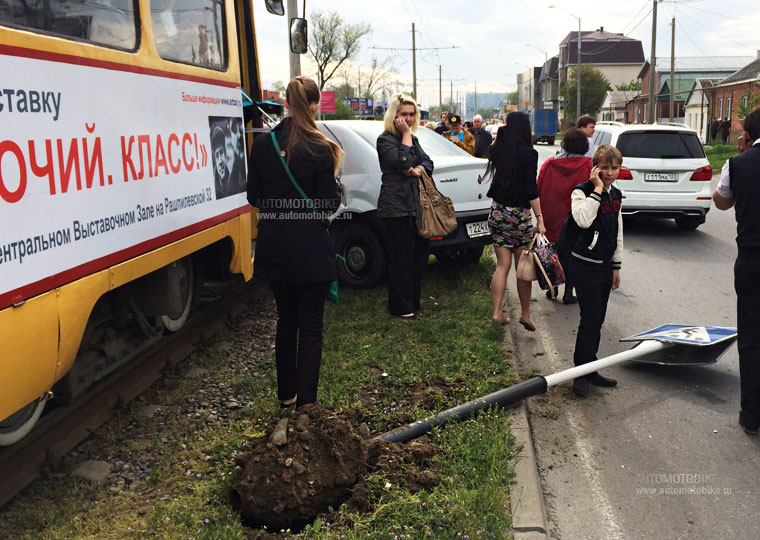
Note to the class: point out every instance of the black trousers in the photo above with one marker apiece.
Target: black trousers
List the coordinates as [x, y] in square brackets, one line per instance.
[748, 322]
[298, 345]
[408, 257]
[592, 287]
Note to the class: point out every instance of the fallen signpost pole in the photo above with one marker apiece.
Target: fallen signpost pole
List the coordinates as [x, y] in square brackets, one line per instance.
[666, 345]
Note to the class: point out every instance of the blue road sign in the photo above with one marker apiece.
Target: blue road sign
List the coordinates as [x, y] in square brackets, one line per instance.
[687, 335]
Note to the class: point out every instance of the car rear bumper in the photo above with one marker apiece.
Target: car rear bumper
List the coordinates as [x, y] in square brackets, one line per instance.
[667, 204]
[459, 240]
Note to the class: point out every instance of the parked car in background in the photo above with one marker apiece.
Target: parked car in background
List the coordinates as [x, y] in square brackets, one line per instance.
[665, 171]
[360, 236]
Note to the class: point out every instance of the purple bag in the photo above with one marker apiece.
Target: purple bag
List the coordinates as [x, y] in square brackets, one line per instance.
[548, 268]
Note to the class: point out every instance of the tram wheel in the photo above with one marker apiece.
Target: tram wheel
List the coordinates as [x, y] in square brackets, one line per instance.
[182, 281]
[19, 424]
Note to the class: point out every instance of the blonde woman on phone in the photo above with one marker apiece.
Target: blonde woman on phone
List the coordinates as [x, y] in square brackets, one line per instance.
[402, 161]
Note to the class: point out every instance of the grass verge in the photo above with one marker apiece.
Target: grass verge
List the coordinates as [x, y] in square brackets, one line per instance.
[718, 154]
[392, 371]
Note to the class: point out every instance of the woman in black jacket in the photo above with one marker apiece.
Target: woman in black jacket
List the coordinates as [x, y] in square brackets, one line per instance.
[294, 251]
[512, 164]
[402, 161]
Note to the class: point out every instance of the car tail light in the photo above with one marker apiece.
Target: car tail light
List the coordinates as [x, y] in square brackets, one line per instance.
[703, 174]
[625, 174]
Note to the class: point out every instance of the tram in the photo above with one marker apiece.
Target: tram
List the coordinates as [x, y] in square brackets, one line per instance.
[122, 181]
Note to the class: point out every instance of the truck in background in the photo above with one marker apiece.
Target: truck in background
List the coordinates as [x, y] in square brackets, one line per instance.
[544, 125]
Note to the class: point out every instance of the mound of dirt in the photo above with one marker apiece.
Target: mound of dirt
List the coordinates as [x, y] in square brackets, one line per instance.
[317, 460]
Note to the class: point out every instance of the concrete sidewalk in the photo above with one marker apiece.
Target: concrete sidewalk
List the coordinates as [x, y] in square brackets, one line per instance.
[525, 494]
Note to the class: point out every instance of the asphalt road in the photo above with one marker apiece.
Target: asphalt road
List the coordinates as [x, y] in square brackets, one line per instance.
[661, 456]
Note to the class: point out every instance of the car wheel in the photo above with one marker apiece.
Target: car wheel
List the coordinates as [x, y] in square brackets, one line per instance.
[689, 223]
[460, 258]
[366, 260]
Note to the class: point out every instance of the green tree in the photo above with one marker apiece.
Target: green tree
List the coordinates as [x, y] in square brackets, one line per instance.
[752, 101]
[512, 98]
[634, 85]
[279, 87]
[487, 114]
[594, 86]
[333, 42]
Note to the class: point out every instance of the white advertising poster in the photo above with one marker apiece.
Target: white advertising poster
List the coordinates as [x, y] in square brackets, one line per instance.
[99, 164]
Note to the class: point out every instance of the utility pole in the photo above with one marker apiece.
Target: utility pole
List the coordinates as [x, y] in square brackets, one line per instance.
[578, 80]
[652, 66]
[475, 109]
[359, 84]
[672, 66]
[414, 64]
[295, 59]
[440, 93]
[451, 90]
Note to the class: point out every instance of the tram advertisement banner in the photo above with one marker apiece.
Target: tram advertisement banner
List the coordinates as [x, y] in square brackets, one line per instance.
[100, 164]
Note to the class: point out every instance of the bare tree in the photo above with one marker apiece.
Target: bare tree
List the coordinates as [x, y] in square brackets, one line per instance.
[380, 72]
[333, 42]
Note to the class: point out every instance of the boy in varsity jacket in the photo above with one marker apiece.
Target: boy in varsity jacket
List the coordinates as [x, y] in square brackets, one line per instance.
[596, 256]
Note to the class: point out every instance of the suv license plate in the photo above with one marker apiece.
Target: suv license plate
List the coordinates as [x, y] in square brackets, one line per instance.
[661, 177]
[479, 228]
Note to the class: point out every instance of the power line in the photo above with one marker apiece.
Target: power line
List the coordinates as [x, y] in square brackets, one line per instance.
[716, 33]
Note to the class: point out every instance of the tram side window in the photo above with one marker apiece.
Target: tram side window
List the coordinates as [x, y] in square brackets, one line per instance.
[190, 31]
[105, 22]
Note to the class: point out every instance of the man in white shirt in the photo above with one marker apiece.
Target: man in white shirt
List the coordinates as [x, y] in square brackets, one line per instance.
[739, 187]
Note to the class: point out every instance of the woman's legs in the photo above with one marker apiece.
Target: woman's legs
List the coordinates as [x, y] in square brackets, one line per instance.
[401, 270]
[499, 280]
[311, 309]
[524, 289]
[298, 344]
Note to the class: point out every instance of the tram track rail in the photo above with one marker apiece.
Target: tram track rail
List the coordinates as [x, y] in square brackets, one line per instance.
[62, 429]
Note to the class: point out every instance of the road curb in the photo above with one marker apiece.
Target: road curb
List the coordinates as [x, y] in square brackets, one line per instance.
[525, 494]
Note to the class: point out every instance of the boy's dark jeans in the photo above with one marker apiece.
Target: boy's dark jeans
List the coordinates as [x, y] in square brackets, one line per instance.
[592, 288]
[298, 345]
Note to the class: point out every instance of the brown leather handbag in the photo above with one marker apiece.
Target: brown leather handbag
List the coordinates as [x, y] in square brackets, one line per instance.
[438, 217]
[526, 264]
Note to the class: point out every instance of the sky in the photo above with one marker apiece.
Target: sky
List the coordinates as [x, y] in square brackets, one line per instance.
[496, 39]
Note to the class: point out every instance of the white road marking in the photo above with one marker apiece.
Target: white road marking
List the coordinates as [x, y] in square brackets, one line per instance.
[583, 446]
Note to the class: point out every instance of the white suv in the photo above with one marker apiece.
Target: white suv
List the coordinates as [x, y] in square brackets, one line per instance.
[665, 172]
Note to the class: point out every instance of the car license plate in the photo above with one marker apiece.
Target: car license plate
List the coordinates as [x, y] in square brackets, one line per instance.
[479, 228]
[661, 177]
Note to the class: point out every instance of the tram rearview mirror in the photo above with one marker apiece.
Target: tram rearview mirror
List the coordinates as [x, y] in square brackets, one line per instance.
[298, 35]
[275, 7]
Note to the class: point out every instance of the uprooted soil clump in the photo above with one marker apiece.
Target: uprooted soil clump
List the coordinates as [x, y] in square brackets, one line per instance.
[317, 460]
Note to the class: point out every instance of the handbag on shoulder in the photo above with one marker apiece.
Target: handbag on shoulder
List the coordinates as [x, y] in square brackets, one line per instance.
[438, 217]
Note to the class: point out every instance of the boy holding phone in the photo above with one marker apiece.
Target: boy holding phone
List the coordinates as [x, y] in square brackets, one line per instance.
[596, 256]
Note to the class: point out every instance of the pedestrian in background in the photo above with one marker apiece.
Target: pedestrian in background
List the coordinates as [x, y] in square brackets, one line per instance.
[714, 131]
[460, 136]
[596, 256]
[482, 138]
[558, 177]
[587, 125]
[431, 125]
[739, 186]
[402, 162]
[512, 164]
[443, 126]
[296, 255]
[725, 131]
